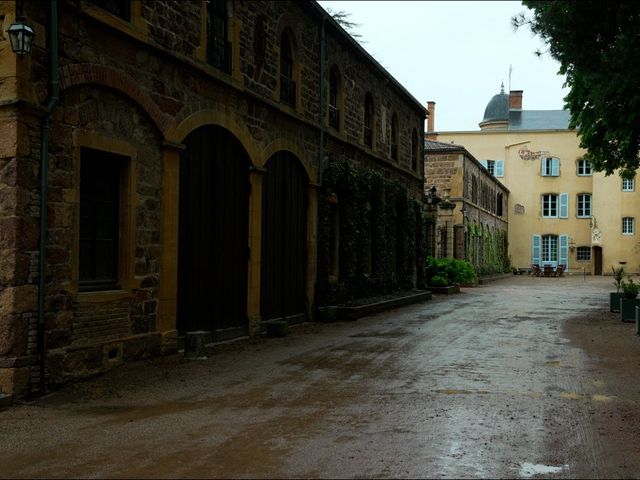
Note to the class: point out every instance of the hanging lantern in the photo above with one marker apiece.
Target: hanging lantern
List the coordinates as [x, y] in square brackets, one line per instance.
[21, 37]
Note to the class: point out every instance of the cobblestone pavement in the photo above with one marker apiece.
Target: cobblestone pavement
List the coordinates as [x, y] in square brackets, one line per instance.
[524, 377]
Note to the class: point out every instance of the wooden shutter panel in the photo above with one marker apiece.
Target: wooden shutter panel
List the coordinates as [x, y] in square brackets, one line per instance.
[563, 257]
[484, 164]
[564, 205]
[555, 167]
[535, 249]
[499, 170]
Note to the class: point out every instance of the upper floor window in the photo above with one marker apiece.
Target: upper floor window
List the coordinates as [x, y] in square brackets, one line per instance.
[287, 84]
[555, 206]
[628, 184]
[494, 167]
[550, 167]
[394, 137]
[218, 48]
[119, 8]
[334, 111]
[368, 120]
[584, 205]
[627, 225]
[414, 150]
[499, 201]
[584, 168]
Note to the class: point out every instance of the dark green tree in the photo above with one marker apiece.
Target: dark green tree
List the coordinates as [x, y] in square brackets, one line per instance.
[598, 46]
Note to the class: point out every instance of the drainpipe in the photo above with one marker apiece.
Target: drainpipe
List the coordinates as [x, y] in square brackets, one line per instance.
[52, 101]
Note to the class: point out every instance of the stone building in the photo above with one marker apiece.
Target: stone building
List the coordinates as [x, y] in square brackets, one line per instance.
[471, 219]
[182, 146]
[561, 212]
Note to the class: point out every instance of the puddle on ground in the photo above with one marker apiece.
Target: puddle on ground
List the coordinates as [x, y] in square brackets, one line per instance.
[528, 470]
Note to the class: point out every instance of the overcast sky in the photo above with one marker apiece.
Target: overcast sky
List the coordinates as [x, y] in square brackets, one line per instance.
[456, 54]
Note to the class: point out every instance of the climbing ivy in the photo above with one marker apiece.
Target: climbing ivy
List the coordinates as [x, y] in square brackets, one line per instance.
[486, 249]
[381, 235]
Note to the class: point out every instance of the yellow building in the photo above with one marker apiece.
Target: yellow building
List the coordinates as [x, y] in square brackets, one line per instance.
[560, 211]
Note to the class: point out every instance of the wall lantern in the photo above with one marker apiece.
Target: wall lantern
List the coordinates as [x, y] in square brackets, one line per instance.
[432, 196]
[21, 36]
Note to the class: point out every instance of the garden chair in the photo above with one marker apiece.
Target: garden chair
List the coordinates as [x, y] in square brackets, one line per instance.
[560, 270]
[548, 271]
[535, 268]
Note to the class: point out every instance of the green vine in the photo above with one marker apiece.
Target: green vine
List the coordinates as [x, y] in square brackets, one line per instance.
[381, 235]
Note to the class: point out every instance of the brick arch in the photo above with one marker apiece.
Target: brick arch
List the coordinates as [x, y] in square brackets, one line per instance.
[85, 73]
[177, 133]
[297, 150]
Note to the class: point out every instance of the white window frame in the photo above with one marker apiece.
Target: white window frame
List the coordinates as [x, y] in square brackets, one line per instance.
[583, 250]
[628, 225]
[584, 168]
[584, 205]
[550, 249]
[550, 201]
[550, 167]
[628, 184]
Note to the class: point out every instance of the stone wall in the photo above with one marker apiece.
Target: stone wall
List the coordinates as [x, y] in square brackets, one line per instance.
[137, 88]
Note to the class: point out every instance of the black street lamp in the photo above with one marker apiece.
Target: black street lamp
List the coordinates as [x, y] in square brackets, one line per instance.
[21, 37]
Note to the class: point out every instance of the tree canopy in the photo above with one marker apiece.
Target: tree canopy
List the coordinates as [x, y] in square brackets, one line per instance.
[598, 46]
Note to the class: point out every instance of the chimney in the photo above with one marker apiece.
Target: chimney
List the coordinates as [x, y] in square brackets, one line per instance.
[515, 100]
[431, 119]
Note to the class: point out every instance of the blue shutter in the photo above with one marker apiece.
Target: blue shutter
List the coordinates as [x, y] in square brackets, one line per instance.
[484, 164]
[535, 249]
[555, 167]
[543, 162]
[564, 250]
[564, 205]
[499, 170]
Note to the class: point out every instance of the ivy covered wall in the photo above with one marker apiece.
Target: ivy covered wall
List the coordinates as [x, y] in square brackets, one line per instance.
[486, 248]
[374, 228]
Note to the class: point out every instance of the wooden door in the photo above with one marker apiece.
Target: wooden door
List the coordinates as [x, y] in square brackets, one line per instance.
[597, 260]
[284, 239]
[213, 234]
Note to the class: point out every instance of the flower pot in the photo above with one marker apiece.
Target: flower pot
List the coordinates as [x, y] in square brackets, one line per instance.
[628, 309]
[614, 301]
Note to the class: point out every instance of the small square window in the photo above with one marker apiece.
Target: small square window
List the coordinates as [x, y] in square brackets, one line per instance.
[584, 168]
[627, 226]
[628, 184]
[583, 254]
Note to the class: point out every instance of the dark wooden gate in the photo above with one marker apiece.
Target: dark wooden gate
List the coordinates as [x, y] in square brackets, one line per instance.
[284, 239]
[213, 234]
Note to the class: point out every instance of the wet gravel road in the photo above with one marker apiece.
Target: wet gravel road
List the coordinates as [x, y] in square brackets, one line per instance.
[524, 377]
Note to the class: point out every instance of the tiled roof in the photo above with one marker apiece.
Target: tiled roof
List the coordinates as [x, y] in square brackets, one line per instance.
[538, 120]
[433, 145]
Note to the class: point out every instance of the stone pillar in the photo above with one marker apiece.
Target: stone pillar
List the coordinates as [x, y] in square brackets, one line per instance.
[169, 237]
[312, 250]
[255, 248]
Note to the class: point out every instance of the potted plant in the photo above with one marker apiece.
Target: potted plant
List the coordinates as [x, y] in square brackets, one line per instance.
[614, 297]
[629, 301]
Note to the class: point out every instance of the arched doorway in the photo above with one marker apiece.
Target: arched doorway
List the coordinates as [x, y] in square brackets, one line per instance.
[285, 199]
[213, 234]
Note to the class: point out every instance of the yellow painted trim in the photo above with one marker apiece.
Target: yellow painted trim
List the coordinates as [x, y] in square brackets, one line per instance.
[283, 144]
[136, 28]
[178, 133]
[82, 138]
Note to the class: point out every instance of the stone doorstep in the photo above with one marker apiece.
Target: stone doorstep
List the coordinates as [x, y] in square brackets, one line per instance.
[355, 312]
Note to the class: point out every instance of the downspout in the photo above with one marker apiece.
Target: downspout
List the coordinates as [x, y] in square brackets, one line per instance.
[52, 101]
[322, 67]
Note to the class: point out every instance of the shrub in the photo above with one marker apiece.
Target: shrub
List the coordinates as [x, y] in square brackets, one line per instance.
[630, 289]
[451, 270]
[618, 276]
[438, 281]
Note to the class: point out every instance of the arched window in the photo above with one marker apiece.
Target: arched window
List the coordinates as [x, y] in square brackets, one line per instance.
[218, 48]
[414, 150]
[334, 110]
[368, 120]
[287, 84]
[394, 137]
